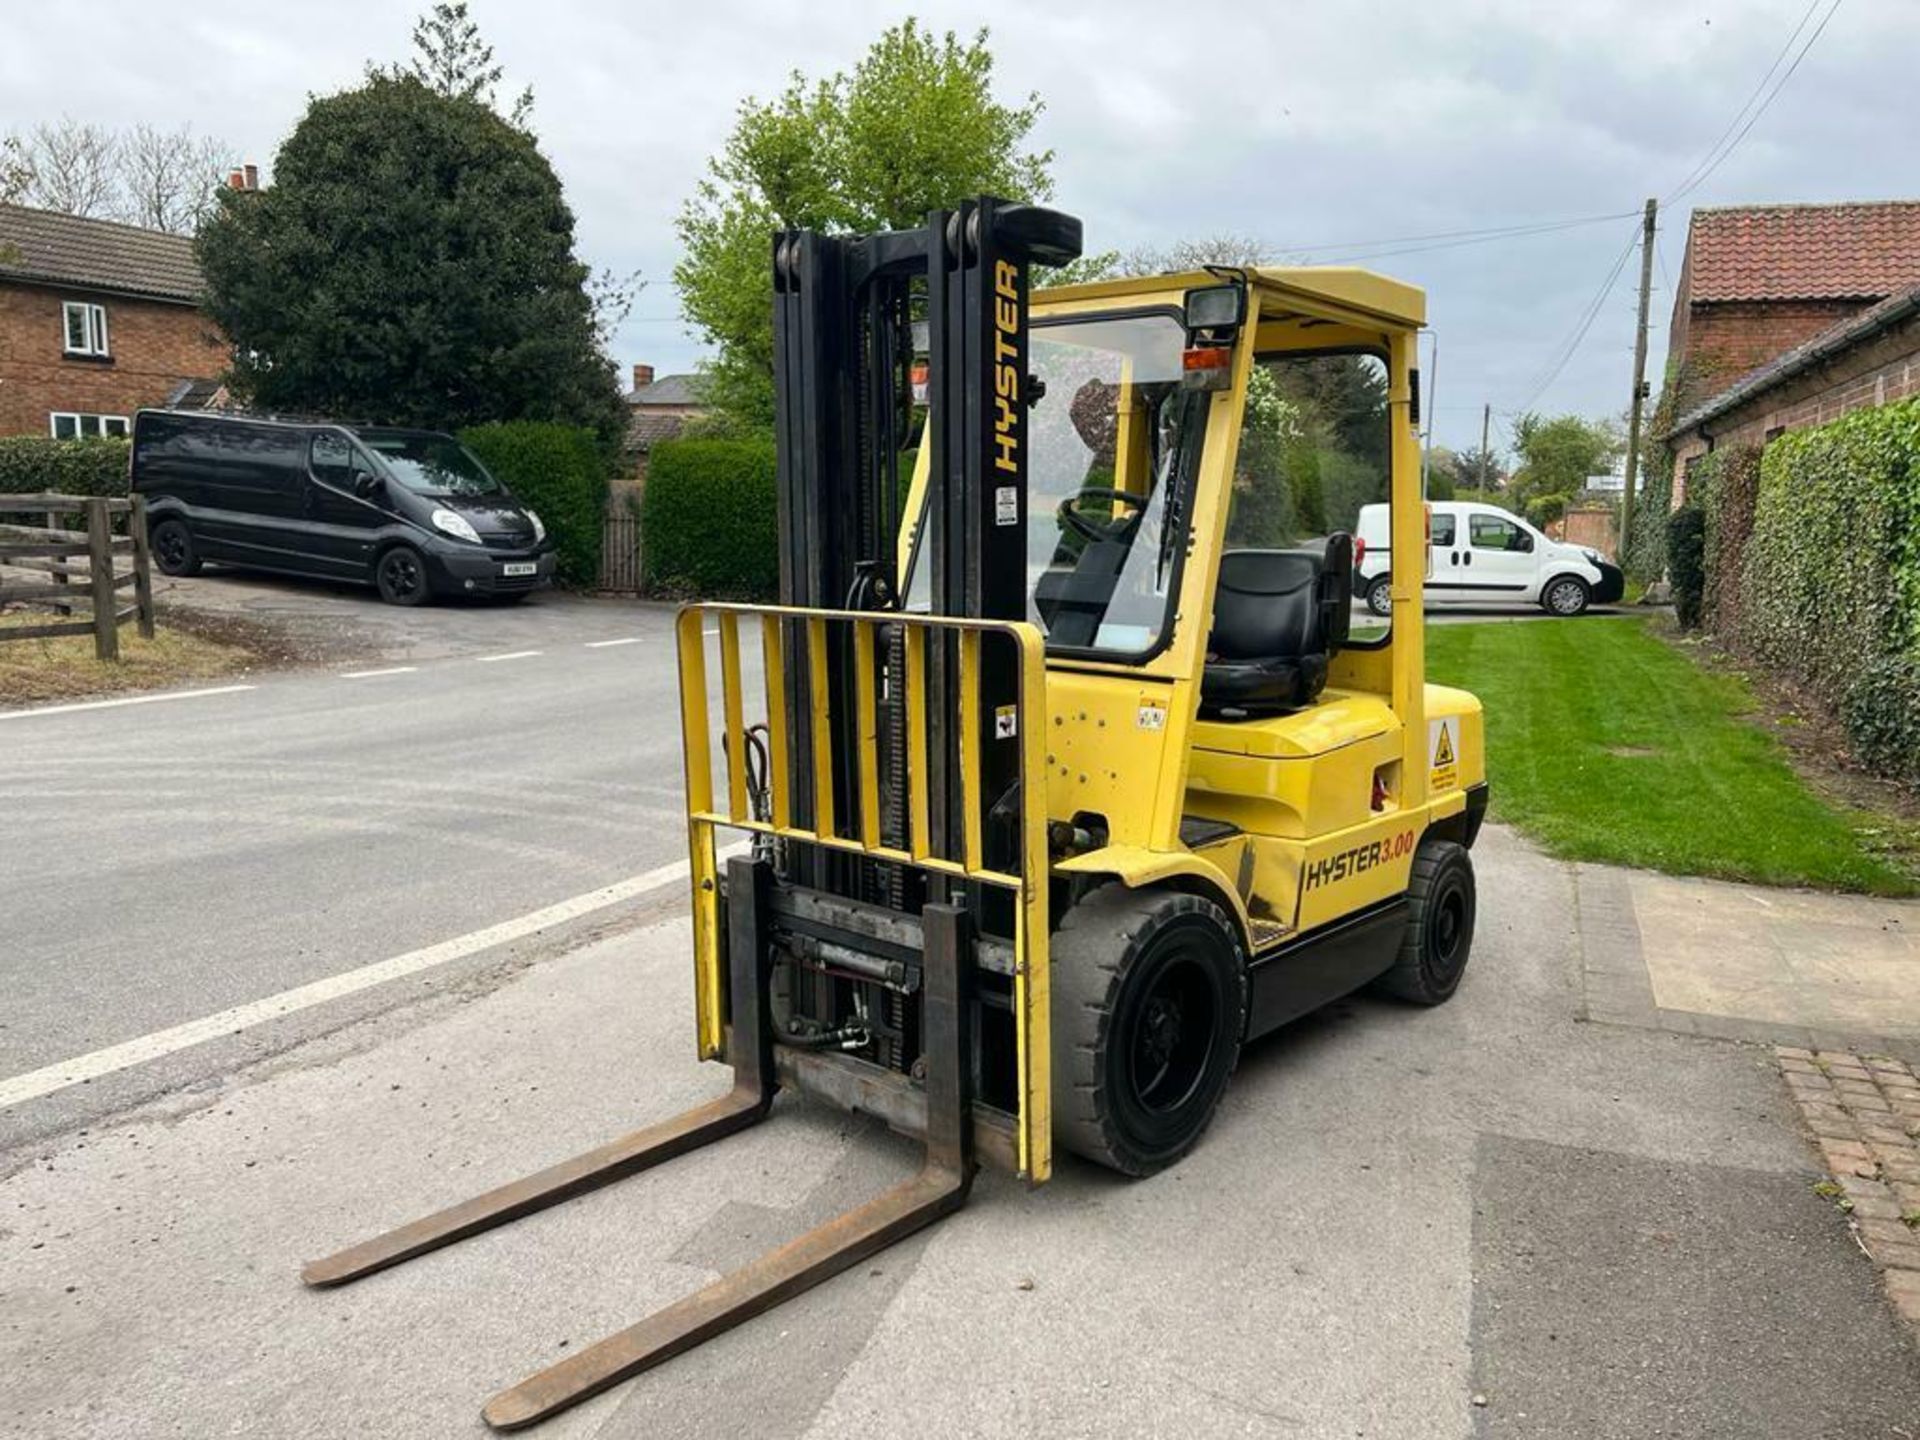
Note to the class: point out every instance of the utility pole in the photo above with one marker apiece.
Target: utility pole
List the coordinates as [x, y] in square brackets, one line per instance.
[1486, 460]
[1639, 377]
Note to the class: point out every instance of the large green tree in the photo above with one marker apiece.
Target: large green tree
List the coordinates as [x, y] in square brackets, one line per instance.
[915, 127]
[412, 262]
[1555, 457]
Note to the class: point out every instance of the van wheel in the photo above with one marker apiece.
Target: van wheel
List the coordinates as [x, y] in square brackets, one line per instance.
[171, 545]
[1565, 595]
[401, 576]
[1439, 938]
[1380, 596]
[1149, 1004]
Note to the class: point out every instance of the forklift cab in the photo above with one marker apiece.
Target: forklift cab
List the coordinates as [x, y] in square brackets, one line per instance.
[1219, 719]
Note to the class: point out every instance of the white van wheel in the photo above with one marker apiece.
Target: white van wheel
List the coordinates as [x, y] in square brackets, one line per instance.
[1380, 596]
[1565, 595]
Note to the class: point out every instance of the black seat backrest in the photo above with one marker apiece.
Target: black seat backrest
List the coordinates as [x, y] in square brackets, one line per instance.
[1336, 592]
[1267, 605]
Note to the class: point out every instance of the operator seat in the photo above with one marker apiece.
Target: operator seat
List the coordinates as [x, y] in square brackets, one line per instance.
[1278, 616]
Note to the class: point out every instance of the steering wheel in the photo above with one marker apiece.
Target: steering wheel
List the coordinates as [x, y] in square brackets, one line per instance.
[1093, 531]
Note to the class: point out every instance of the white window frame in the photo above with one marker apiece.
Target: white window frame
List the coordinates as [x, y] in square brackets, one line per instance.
[79, 419]
[93, 327]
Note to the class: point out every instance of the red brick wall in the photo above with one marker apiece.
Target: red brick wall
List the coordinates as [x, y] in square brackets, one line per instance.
[1722, 342]
[154, 346]
[1883, 369]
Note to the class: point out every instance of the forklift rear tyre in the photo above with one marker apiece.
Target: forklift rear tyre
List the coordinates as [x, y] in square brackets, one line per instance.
[1439, 937]
[1149, 1004]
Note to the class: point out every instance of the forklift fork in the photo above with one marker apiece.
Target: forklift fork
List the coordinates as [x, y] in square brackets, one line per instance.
[937, 1190]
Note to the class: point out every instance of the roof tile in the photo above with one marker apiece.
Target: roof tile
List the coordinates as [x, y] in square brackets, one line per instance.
[1858, 250]
[57, 249]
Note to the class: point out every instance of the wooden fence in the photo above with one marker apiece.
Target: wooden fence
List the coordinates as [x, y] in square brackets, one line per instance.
[67, 567]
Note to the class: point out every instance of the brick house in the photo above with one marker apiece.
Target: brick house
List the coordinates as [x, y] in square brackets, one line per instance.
[1790, 315]
[96, 320]
[658, 408]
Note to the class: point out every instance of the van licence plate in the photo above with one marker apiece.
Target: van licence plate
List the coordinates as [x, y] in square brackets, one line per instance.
[520, 567]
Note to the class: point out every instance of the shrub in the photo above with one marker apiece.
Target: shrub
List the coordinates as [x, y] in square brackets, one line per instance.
[557, 469]
[1686, 562]
[1727, 498]
[1830, 582]
[1881, 710]
[1645, 554]
[710, 518]
[30, 464]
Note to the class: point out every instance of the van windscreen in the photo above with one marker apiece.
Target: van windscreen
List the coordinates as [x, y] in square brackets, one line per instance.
[433, 464]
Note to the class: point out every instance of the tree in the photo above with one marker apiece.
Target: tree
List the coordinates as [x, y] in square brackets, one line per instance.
[69, 167]
[413, 263]
[1478, 469]
[914, 128]
[16, 170]
[167, 180]
[1558, 455]
[450, 59]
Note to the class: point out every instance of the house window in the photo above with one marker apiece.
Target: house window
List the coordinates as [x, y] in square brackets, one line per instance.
[69, 425]
[86, 328]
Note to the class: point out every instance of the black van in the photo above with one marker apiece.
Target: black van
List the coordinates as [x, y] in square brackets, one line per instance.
[411, 512]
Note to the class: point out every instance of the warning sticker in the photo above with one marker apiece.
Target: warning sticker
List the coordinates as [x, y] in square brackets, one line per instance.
[1443, 752]
[1152, 715]
[1006, 505]
[1006, 722]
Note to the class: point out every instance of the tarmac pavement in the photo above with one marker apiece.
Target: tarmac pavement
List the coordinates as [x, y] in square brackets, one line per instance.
[1597, 1229]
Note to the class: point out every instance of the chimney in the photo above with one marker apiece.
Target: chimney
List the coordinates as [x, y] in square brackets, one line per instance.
[642, 376]
[247, 177]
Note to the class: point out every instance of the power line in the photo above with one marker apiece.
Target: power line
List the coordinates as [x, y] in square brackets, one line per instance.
[1694, 183]
[1588, 316]
[1491, 232]
[1745, 105]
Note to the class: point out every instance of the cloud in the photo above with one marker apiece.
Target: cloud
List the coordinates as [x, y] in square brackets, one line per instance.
[1300, 124]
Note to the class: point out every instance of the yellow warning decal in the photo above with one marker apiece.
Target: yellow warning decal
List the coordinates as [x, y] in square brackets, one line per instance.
[1443, 753]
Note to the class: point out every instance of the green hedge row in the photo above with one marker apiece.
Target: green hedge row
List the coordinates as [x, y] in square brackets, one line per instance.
[711, 521]
[559, 471]
[1811, 566]
[1686, 563]
[31, 464]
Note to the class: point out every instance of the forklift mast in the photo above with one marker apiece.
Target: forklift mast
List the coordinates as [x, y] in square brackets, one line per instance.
[843, 324]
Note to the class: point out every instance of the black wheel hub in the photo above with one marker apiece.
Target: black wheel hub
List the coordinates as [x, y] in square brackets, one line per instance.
[402, 573]
[172, 546]
[1172, 1036]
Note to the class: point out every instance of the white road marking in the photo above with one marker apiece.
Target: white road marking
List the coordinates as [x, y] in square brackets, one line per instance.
[510, 655]
[603, 644]
[370, 674]
[123, 700]
[82, 1068]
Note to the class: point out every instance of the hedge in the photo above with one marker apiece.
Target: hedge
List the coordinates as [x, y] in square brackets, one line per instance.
[1830, 581]
[711, 519]
[1686, 562]
[32, 464]
[559, 471]
[1728, 484]
[1645, 555]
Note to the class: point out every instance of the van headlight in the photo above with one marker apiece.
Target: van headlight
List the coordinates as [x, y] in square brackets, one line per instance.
[539, 530]
[455, 524]
[1595, 556]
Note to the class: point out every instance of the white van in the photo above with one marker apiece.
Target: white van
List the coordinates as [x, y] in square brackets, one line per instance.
[1483, 555]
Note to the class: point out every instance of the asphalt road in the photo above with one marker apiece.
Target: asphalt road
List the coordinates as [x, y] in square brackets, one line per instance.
[170, 860]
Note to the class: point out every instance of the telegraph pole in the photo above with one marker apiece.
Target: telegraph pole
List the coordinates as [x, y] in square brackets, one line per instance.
[1639, 376]
[1486, 460]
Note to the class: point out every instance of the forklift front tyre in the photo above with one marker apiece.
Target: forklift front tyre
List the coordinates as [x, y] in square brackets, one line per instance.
[1440, 907]
[1149, 1003]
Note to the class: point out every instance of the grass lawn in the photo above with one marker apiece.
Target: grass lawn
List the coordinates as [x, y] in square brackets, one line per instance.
[1605, 743]
[35, 671]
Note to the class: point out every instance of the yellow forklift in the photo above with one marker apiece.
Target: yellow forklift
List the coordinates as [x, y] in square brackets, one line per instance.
[1063, 769]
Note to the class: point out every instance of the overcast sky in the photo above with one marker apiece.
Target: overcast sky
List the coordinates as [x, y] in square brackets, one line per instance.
[1306, 125]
